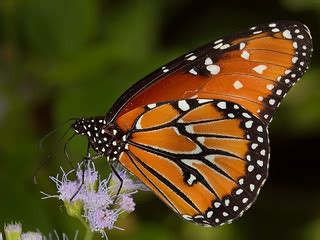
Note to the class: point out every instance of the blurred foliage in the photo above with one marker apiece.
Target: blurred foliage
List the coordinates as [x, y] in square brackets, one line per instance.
[62, 59]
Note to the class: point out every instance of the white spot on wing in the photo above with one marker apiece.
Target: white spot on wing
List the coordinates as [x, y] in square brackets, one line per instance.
[218, 45]
[279, 92]
[189, 129]
[272, 101]
[191, 179]
[249, 124]
[209, 214]
[242, 46]
[208, 61]
[222, 105]
[183, 105]
[204, 100]
[191, 58]
[294, 59]
[225, 46]
[210, 157]
[192, 71]
[260, 68]
[152, 105]
[245, 55]
[270, 86]
[201, 139]
[237, 84]
[287, 34]
[213, 69]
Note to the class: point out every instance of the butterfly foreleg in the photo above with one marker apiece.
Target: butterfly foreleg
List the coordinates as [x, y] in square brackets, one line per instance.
[84, 163]
[119, 178]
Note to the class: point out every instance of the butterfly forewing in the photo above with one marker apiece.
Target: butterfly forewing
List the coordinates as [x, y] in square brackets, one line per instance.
[206, 159]
[254, 68]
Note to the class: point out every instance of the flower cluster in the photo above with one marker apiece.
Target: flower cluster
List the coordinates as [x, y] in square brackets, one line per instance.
[13, 231]
[94, 201]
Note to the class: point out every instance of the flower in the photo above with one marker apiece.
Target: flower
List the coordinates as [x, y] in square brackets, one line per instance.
[100, 218]
[96, 202]
[31, 236]
[12, 231]
[126, 203]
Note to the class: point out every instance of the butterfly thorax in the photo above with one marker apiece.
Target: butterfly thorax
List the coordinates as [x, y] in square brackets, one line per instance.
[105, 138]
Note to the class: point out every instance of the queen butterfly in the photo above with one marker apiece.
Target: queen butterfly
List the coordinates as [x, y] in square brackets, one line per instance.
[195, 131]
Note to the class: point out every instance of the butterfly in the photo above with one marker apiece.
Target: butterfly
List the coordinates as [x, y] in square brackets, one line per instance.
[195, 131]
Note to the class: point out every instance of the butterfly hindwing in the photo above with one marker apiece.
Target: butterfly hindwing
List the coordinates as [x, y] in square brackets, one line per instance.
[206, 159]
[254, 68]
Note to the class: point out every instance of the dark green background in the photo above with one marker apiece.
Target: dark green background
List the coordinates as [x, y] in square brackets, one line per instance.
[71, 58]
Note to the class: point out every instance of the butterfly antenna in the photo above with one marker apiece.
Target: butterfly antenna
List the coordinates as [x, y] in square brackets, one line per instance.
[54, 131]
[47, 157]
[42, 163]
[65, 148]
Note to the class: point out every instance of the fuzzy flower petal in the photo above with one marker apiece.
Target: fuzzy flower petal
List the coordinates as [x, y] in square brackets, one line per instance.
[99, 199]
[90, 174]
[100, 219]
[31, 236]
[68, 189]
[126, 203]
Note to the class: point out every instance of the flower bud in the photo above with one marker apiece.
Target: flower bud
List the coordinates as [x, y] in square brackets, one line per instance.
[13, 231]
[74, 209]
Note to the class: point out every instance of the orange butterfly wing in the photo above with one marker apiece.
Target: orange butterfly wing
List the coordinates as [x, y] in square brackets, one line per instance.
[196, 129]
[206, 159]
[254, 68]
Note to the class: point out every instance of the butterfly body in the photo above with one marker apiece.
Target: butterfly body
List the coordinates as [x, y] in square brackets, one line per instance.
[195, 131]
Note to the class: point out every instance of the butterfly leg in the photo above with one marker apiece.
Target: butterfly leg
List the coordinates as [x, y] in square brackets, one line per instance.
[120, 179]
[85, 161]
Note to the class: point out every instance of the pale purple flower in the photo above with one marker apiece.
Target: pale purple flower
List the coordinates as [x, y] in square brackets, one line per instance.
[90, 174]
[126, 203]
[31, 236]
[68, 189]
[101, 219]
[14, 231]
[94, 200]
[100, 202]
[13, 228]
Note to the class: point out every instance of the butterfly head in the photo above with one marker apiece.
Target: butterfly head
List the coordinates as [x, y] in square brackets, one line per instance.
[104, 138]
[86, 126]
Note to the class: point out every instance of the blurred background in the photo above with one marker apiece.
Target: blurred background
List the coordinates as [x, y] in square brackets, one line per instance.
[61, 59]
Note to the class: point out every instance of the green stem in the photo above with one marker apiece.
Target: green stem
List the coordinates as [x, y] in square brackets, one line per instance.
[89, 234]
